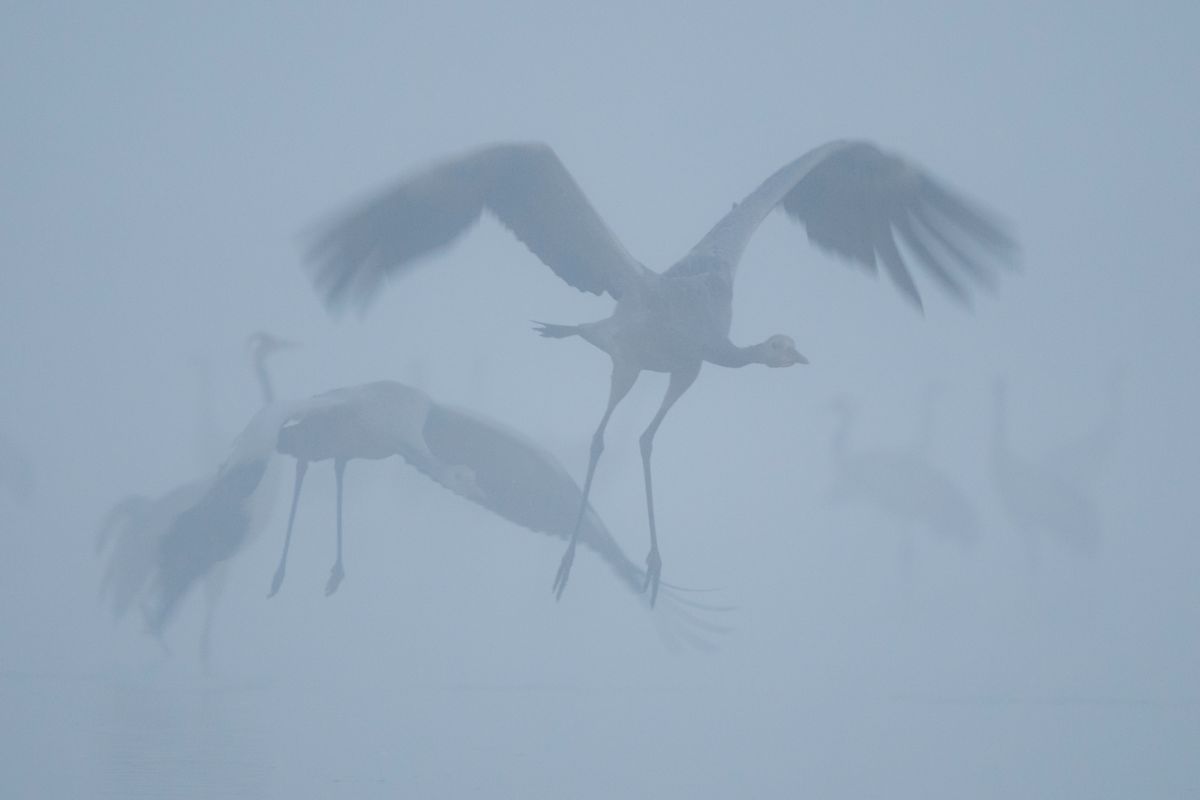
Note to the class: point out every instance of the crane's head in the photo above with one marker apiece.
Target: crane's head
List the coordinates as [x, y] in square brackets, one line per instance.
[780, 351]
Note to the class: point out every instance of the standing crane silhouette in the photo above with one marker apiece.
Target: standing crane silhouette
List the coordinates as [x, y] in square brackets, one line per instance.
[851, 196]
[902, 483]
[1049, 496]
[478, 459]
[136, 525]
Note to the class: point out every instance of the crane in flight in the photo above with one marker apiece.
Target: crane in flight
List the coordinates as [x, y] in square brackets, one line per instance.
[901, 482]
[477, 458]
[852, 197]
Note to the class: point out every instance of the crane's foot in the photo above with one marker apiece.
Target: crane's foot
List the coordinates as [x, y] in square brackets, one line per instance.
[276, 582]
[653, 574]
[335, 579]
[564, 572]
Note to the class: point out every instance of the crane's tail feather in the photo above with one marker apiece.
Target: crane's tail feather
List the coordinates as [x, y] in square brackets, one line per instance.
[555, 331]
[696, 621]
[697, 641]
[691, 590]
[680, 629]
[684, 623]
[707, 607]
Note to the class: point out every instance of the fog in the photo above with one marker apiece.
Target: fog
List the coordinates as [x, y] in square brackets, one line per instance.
[164, 169]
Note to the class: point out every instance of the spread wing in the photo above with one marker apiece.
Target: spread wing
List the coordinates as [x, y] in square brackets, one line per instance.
[524, 186]
[857, 201]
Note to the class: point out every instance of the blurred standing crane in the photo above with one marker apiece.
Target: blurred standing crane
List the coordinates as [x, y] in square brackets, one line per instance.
[1050, 496]
[137, 524]
[902, 483]
[850, 195]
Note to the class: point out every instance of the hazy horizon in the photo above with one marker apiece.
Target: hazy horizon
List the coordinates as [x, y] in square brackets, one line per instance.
[165, 169]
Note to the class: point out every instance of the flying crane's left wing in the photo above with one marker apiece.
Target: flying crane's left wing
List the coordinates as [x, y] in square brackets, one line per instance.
[854, 199]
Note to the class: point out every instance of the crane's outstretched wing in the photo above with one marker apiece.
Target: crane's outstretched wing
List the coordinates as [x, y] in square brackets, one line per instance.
[516, 479]
[216, 520]
[524, 185]
[519, 481]
[853, 199]
[135, 527]
[201, 536]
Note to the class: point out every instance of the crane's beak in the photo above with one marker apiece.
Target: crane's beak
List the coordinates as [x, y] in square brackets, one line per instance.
[798, 357]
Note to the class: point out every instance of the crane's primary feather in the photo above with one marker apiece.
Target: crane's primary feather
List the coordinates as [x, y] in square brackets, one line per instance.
[525, 186]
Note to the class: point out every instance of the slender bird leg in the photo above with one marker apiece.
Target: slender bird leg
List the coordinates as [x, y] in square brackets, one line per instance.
[680, 382]
[623, 379]
[277, 581]
[336, 574]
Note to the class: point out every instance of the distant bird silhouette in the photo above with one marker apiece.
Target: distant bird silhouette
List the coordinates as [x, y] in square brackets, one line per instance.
[134, 529]
[902, 483]
[1049, 497]
[16, 471]
[479, 459]
[1085, 456]
[851, 196]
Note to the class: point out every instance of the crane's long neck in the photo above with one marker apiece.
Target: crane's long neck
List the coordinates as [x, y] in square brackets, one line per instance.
[728, 354]
[264, 378]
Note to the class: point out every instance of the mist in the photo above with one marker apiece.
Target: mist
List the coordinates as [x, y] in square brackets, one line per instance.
[954, 555]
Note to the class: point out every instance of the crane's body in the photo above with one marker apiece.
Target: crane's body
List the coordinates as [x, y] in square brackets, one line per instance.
[901, 481]
[852, 197]
[668, 324]
[1039, 497]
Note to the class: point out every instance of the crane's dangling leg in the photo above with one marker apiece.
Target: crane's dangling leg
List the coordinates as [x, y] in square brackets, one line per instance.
[336, 574]
[277, 581]
[680, 382]
[623, 379]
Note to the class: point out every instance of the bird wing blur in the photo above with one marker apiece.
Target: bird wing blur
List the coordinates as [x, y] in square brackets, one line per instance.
[853, 200]
[217, 522]
[206, 533]
[520, 482]
[525, 186]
